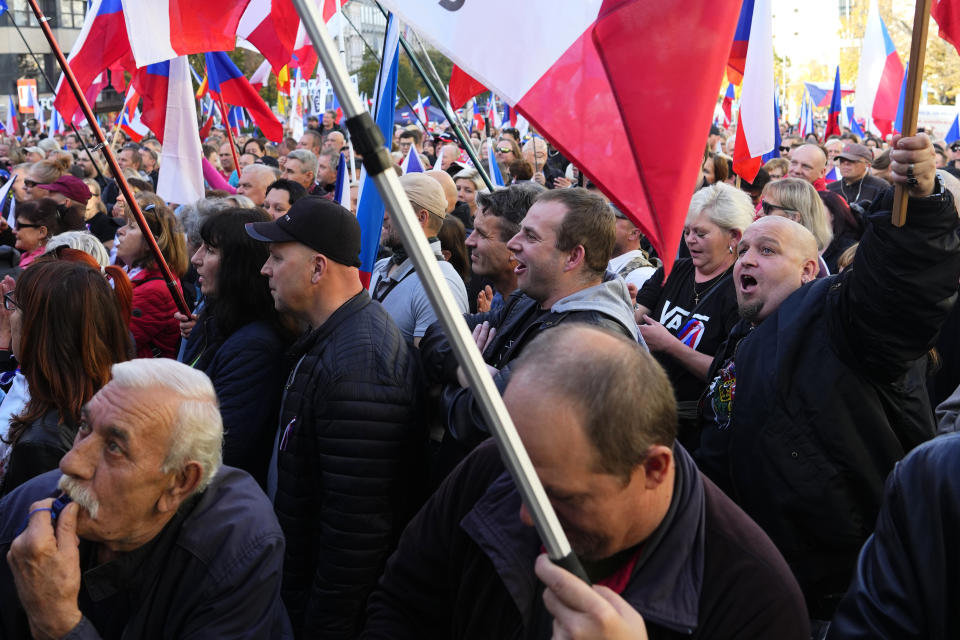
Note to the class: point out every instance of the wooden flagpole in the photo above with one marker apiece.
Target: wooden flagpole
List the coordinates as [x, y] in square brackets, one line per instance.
[911, 100]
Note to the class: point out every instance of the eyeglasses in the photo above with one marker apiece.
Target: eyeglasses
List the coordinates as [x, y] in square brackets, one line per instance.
[29, 183]
[785, 149]
[504, 149]
[9, 303]
[25, 225]
[769, 208]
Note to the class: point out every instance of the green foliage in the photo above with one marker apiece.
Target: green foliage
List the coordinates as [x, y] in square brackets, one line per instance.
[408, 79]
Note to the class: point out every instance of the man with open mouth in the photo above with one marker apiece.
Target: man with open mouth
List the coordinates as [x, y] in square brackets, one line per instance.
[819, 389]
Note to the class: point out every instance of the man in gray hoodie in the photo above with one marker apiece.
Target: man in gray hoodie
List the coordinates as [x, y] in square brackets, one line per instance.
[562, 249]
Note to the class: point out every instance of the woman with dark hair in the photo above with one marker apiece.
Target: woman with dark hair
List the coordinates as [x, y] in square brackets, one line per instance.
[155, 330]
[254, 146]
[846, 224]
[66, 331]
[39, 220]
[239, 338]
[714, 169]
[453, 246]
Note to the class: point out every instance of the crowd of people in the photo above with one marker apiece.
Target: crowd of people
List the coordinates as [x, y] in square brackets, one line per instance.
[746, 445]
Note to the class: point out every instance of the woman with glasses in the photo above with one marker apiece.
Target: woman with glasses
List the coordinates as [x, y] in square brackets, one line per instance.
[468, 183]
[797, 200]
[685, 318]
[155, 330]
[66, 329]
[44, 172]
[239, 338]
[39, 220]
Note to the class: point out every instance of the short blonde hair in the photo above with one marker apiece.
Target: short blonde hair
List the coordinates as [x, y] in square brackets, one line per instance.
[727, 207]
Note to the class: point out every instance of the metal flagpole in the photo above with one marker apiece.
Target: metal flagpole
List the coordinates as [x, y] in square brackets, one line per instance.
[376, 56]
[447, 112]
[112, 162]
[370, 144]
[53, 89]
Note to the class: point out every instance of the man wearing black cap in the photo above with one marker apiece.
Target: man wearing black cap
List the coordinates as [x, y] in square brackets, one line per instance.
[857, 186]
[345, 455]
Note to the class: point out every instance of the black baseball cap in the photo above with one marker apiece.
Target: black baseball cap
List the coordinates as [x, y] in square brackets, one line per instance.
[321, 224]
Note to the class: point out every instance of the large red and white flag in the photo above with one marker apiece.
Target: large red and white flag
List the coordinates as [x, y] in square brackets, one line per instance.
[755, 124]
[623, 88]
[160, 30]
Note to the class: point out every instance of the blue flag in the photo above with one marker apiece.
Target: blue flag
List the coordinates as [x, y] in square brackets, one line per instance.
[898, 125]
[370, 206]
[954, 134]
[494, 169]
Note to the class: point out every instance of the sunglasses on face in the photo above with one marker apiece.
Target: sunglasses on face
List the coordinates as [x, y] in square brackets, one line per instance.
[25, 225]
[770, 208]
[504, 149]
[29, 183]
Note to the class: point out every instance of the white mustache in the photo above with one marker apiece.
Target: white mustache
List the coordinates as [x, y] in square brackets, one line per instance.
[80, 494]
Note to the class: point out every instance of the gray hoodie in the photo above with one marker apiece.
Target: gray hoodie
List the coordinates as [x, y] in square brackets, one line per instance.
[611, 297]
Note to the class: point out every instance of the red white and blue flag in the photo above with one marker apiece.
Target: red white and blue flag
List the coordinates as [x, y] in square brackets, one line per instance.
[370, 206]
[341, 191]
[101, 43]
[493, 168]
[806, 125]
[181, 171]
[160, 30]
[574, 75]
[152, 83]
[833, 116]
[509, 116]
[755, 118]
[421, 109]
[225, 80]
[832, 176]
[727, 105]
[738, 50]
[492, 110]
[878, 81]
[10, 126]
[133, 126]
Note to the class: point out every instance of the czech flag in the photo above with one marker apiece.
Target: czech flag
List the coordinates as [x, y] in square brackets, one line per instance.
[159, 30]
[492, 110]
[832, 176]
[898, 122]
[11, 123]
[580, 75]
[755, 118]
[225, 80]
[134, 126]
[775, 152]
[738, 50]
[477, 121]
[101, 43]
[833, 116]
[152, 82]
[727, 105]
[271, 27]
[878, 81]
[370, 206]
[509, 116]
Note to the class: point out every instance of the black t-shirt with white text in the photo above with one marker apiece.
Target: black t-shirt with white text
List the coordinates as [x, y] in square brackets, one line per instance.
[702, 326]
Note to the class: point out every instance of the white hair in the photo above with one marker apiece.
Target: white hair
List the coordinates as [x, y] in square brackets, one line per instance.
[727, 207]
[197, 433]
[82, 241]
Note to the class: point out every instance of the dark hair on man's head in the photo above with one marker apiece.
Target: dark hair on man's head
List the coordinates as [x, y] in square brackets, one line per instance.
[621, 394]
[509, 205]
[73, 331]
[411, 133]
[294, 189]
[520, 170]
[242, 296]
[588, 222]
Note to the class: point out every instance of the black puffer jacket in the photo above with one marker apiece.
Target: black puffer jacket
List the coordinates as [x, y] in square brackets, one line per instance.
[828, 396]
[347, 461]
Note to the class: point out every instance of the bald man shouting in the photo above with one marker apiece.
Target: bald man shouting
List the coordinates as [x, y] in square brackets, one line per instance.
[819, 390]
